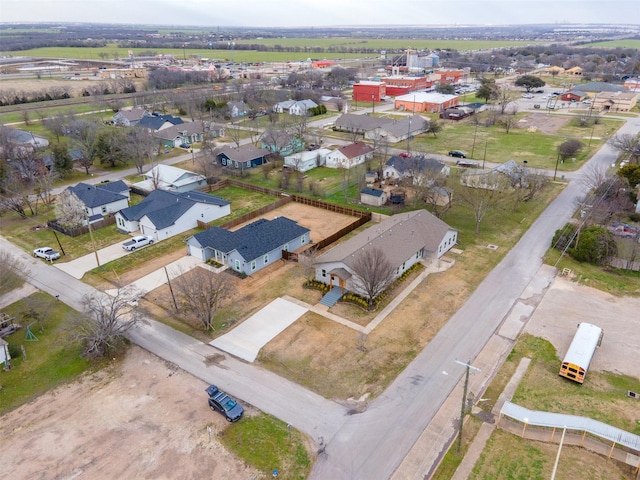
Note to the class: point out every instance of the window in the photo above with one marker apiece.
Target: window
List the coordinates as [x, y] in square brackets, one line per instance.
[286, 247]
[266, 259]
[237, 265]
[303, 239]
[324, 272]
[104, 209]
[253, 265]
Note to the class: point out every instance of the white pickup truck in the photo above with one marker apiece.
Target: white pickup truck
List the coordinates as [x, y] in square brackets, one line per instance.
[137, 242]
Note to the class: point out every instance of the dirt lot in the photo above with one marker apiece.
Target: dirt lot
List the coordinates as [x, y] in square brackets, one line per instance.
[139, 418]
[547, 124]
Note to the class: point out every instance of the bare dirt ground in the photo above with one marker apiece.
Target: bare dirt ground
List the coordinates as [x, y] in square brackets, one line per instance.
[139, 418]
[547, 124]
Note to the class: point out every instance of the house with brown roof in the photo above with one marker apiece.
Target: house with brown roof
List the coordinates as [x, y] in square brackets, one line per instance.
[406, 239]
[349, 156]
[242, 157]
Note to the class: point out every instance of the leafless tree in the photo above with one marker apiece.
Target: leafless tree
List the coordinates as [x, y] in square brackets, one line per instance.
[12, 271]
[70, 210]
[201, 293]
[373, 272]
[299, 126]
[628, 145]
[85, 137]
[569, 148]
[481, 199]
[57, 124]
[508, 122]
[106, 321]
[234, 132]
[43, 185]
[26, 117]
[505, 96]
[593, 175]
[139, 147]
[306, 261]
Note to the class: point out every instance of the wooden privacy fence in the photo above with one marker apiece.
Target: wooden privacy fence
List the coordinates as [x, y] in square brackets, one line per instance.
[77, 231]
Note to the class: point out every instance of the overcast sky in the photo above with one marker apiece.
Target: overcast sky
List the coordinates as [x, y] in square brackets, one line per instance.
[316, 13]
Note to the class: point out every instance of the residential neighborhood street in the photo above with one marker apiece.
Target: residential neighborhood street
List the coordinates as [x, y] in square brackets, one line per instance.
[372, 444]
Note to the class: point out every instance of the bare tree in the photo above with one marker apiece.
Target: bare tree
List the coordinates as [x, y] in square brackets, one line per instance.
[569, 148]
[201, 293]
[12, 271]
[106, 320]
[139, 147]
[373, 272]
[481, 199]
[593, 175]
[234, 132]
[85, 137]
[306, 261]
[70, 210]
[628, 145]
[504, 97]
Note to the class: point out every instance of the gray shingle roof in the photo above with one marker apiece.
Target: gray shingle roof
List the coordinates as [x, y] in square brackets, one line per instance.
[374, 192]
[399, 236]
[163, 208]
[418, 163]
[96, 196]
[253, 240]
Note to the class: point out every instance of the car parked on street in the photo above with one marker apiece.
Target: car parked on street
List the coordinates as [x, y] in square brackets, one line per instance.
[458, 154]
[223, 403]
[137, 242]
[47, 253]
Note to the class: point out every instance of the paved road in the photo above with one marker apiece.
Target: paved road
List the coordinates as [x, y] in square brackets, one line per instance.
[303, 409]
[371, 445]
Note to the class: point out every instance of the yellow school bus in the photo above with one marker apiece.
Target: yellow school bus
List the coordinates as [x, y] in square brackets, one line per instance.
[583, 346]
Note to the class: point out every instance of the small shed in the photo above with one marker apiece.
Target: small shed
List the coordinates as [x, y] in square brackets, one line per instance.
[373, 196]
[4, 352]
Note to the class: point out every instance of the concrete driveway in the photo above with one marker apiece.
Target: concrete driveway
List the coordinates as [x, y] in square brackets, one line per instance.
[78, 267]
[246, 340]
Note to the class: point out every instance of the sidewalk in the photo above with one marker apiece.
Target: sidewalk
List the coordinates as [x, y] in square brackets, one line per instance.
[427, 452]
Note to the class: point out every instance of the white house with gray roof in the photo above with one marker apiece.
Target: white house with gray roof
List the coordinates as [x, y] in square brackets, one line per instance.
[168, 177]
[252, 247]
[103, 198]
[406, 239]
[163, 214]
[294, 107]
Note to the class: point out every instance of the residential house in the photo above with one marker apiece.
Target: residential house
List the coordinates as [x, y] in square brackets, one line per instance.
[373, 196]
[420, 169]
[405, 238]
[280, 142]
[377, 128]
[157, 122]
[183, 134]
[129, 117]
[252, 247]
[575, 71]
[237, 109]
[509, 172]
[75, 155]
[242, 157]
[295, 107]
[21, 138]
[5, 357]
[349, 156]
[307, 159]
[163, 214]
[168, 177]
[103, 198]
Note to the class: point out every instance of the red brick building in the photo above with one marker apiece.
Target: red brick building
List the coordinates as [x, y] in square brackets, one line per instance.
[369, 91]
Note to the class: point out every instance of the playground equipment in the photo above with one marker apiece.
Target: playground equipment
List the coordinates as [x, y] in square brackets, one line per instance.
[7, 325]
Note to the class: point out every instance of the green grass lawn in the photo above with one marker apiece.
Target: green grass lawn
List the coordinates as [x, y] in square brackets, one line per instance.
[51, 360]
[266, 443]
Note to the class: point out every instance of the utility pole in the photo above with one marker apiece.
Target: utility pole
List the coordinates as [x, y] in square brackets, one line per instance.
[463, 407]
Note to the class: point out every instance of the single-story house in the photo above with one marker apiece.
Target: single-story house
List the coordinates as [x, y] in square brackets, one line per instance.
[514, 174]
[280, 142]
[419, 168]
[406, 238]
[103, 198]
[157, 122]
[237, 109]
[576, 71]
[349, 156]
[372, 128]
[294, 107]
[163, 214]
[182, 134]
[129, 117]
[22, 138]
[306, 160]
[252, 247]
[168, 177]
[75, 154]
[373, 196]
[242, 157]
